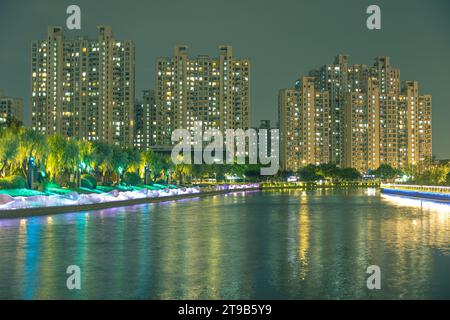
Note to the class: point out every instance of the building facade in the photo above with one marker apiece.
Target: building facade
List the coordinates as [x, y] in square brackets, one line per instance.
[213, 91]
[83, 88]
[365, 117]
[362, 128]
[304, 117]
[266, 127]
[11, 109]
[145, 121]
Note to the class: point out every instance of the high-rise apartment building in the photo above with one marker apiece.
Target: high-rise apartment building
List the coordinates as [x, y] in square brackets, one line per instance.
[145, 121]
[393, 130]
[304, 117]
[11, 109]
[212, 91]
[370, 119]
[264, 126]
[362, 128]
[83, 88]
[337, 79]
[418, 110]
[388, 76]
[289, 120]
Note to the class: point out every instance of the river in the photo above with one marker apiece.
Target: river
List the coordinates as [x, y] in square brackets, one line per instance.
[245, 245]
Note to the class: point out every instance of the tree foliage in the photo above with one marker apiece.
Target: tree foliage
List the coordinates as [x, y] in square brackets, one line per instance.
[434, 175]
[386, 172]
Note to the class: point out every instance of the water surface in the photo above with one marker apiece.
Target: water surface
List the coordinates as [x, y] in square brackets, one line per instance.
[254, 245]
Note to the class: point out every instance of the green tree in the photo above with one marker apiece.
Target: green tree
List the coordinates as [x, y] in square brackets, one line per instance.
[157, 165]
[118, 161]
[31, 144]
[252, 172]
[200, 171]
[101, 159]
[310, 173]
[328, 170]
[182, 170]
[70, 158]
[56, 149]
[386, 172]
[168, 168]
[133, 160]
[125, 160]
[435, 175]
[9, 148]
[146, 158]
[235, 169]
[85, 154]
[62, 159]
[349, 174]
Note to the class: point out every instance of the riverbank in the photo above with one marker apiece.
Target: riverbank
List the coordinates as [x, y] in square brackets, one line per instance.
[42, 205]
[319, 185]
[433, 193]
[52, 210]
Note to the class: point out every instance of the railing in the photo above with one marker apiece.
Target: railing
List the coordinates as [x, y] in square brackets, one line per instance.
[433, 189]
[320, 184]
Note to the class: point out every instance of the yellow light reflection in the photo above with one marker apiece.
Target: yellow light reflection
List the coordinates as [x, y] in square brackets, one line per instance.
[417, 203]
[304, 226]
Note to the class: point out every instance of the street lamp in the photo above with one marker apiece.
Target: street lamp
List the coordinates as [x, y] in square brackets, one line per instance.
[146, 174]
[81, 168]
[31, 165]
[120, 169]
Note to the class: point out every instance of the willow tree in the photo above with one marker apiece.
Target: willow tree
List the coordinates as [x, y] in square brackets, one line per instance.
[85, 154]
[157, 166]
[182, 170]
[118, 161]
[101, 159]
[9, 148]
[70, 160]
[32, 144]
[145, 161]
[55, 164]
[133, 160]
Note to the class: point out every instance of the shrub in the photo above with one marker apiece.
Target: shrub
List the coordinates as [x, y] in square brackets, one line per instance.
[132, 178]
[73, 185]
[13, 182]
[50, 184]
[88, 181]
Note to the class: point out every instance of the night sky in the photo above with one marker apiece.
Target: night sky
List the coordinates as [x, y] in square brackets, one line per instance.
[283, 38]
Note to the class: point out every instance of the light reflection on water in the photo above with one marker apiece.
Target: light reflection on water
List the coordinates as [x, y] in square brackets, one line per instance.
[426, 205]
[289, 244]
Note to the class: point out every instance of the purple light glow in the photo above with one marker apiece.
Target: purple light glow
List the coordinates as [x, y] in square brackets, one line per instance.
[75, 199]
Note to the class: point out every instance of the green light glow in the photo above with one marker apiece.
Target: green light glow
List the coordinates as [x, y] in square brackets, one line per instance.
[22, 193]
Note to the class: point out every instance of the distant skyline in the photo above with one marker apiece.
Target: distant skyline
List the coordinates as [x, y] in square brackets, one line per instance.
[284, 39]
